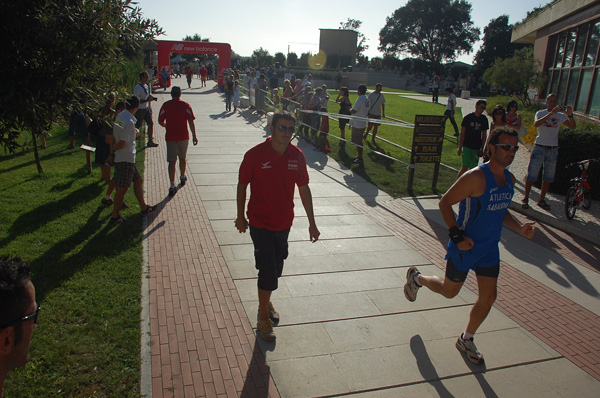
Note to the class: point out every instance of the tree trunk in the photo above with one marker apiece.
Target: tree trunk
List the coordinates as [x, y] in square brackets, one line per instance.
[36, 153]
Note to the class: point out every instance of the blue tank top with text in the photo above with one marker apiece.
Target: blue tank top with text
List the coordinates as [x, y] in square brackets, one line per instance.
[482, 217]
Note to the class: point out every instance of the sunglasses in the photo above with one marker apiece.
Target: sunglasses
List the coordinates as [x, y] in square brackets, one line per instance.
[507, 147]
[284, 129]
[33, 316]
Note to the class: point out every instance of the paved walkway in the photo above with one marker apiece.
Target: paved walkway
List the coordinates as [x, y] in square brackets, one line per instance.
[346, 326]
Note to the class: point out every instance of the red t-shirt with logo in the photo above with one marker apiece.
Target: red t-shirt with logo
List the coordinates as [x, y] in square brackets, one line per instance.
[272, 180]
[177, 113]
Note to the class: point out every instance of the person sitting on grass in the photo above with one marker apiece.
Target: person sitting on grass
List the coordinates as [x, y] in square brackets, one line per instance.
[126, 172]
[323, 140]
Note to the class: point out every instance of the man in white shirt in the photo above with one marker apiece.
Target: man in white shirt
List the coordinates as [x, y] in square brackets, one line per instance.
[376, 110]
[545, 150]
[144, 113]
[361, 109]
[126, 172]
[450, 109]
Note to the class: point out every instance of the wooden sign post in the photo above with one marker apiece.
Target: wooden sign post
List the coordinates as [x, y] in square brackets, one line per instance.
[428, 138]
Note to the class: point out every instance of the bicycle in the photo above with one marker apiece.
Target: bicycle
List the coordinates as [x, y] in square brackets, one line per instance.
[580, 192]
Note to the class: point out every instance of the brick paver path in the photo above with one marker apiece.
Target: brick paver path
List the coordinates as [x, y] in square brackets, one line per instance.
[202, 342]
[565, 326]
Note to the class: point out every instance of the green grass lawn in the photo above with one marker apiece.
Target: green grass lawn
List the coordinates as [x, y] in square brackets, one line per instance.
[389, 175]
[86, 272]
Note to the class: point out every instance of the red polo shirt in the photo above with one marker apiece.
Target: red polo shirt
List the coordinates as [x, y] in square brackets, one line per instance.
[177, 113]
[272, 180]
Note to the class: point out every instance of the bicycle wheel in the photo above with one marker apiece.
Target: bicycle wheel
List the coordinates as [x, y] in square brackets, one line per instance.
[570, 206]
[587, 200]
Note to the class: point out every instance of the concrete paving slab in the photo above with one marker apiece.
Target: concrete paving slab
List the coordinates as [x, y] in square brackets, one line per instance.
[311, 309]
[381, 259]
[342, 282]
[308, 377]
[208, 168]
[216, 179]
[362, 245]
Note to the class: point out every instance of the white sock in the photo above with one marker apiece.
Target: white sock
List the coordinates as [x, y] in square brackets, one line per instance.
[416, 278]
[466, 336]
[107, 197]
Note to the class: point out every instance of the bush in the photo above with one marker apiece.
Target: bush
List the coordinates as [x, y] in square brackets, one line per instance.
[576, 145]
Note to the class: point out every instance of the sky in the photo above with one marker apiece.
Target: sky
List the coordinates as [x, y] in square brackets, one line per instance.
[279, 26]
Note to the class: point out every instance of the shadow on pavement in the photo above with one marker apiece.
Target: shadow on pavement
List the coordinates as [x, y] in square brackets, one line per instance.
[256, 382]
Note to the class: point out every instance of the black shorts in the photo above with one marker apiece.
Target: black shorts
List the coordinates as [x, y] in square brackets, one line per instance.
[456, 275]
[270, 249]
[143, 115]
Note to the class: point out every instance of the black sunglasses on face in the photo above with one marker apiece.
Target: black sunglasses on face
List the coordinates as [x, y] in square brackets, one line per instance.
[33, 316]
[283, 129]
[507, 147]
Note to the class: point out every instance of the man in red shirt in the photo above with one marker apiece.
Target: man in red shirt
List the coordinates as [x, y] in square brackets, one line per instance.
[175, 115]
[273, 169]
[203, 73]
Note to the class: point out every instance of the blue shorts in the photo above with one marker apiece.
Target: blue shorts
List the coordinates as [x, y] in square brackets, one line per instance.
[542, 156]
[461, 262]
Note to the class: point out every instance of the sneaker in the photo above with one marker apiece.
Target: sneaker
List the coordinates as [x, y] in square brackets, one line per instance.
[152, 144]
[149, 209]
[273, 314]
[182, 180]
[172, 191]
[410, 287]
[357, 160]
[117, 220]
[124, 206]
[265, 329]
[468, 347]
[106, 202]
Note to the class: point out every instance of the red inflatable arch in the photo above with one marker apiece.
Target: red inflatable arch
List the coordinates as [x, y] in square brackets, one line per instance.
[165, 48]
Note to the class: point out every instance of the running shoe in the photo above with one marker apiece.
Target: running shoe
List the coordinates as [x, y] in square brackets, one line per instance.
[468, 347]
[273, 314]
[182, 180]
[410, 287]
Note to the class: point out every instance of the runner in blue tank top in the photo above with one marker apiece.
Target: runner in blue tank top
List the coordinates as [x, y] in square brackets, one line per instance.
[483, 194]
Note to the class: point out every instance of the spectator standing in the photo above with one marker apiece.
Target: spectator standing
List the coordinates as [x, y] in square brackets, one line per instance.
[19, 313]
[175, 116]
[203, 73]
[376, 110]
[450, 109]
[360, 109]
[545, 150]
[513, 119]
[271, 209]
[78, 123]
[473, 136]
[164, 78]
[104, 139]
[228, 91]
[144, 113]
[126, 172]
[315, 118]
[435, 89]
[236, 95]
[189, 75]
[112, 185]
[343, 99]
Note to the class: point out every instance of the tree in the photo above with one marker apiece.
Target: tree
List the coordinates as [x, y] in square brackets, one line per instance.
[261, 57]
[292, 59]
[303, 61]
[70, 60]
[191, 57]
[355, 24]
[280, 57]
[516, 74]
[434, 30]
[496, 44]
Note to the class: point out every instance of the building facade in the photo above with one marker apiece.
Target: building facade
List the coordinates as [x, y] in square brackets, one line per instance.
[339, 45]
[566, 39]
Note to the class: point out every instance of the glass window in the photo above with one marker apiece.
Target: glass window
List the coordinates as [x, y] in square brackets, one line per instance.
[554, 84]
[581, 39]
[595, 100]
[569, 49]
[584, 89]
[560, 51]
[562, 88]
[592, 49]
[572, 87]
